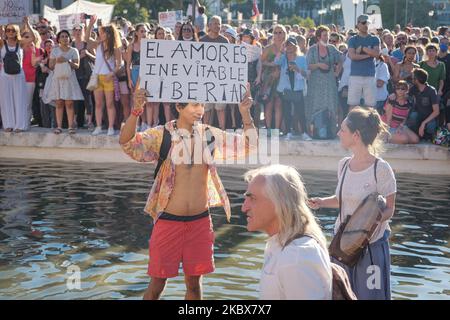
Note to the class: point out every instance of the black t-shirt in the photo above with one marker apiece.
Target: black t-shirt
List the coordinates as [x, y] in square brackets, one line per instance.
[446, 61]
[423, 101]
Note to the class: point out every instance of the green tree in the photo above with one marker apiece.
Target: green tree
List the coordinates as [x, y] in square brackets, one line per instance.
[394, 12]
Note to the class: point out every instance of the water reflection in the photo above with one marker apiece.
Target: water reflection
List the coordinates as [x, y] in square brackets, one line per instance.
[57, 214]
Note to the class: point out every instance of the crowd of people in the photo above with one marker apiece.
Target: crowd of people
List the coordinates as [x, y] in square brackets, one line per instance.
[303, 81]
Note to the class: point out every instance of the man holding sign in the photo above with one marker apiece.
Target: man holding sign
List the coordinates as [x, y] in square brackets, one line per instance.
[186, 185]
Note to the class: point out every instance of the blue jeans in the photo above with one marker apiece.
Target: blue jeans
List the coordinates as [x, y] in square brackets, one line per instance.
[415, 120]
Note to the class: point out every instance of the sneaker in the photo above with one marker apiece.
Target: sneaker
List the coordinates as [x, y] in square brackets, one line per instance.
[306, 137]
[288, 136]
[111, 132]
[97, 131]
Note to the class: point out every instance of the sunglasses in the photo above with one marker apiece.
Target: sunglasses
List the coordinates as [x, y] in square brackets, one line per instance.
[187, 30]
[279, 32]
[332, 41]
[10, 30]
[401, 39]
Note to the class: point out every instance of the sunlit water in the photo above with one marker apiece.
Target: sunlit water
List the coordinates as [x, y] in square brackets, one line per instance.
[57, 215]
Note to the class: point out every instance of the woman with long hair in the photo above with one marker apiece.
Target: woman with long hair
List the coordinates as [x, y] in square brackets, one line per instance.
[32, 56]
[270, 77]
[13, 95]
[64, 89]
[187, 32]
[359, 175]
[404, 69]
[84, 72]
[108, 61]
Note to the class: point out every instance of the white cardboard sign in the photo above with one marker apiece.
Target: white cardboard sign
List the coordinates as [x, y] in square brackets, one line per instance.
[187, 71]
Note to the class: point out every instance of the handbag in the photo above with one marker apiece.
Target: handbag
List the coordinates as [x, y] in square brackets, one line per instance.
[355, 232]
[93, 82]
[62, 70]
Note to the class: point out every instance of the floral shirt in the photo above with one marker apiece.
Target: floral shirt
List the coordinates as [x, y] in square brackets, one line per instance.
[145, 146]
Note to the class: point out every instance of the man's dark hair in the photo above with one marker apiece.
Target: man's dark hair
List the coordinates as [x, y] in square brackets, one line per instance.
[421, 75]
[174, 110]
[201, 10]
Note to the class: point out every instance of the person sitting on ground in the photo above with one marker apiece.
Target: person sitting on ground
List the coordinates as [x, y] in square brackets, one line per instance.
[397, 109]
[186, 186]
[296, 260]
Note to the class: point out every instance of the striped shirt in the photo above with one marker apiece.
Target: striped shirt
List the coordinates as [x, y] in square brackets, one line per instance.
[399, 112]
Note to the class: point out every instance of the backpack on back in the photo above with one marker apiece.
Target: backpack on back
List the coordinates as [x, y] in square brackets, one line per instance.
[11, 62]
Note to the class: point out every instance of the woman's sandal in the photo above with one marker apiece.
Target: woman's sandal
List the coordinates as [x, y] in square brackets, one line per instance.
[72, 131]
[9, 130]
[57, 131]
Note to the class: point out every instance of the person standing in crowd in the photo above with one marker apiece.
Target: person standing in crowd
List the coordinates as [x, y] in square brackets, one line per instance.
[363, 49]
[404, 69]
[122, 77]
[188, 32]
[233, 38]
[254, 72]
[290, 87]
[184, 189]
[343, 85]
[48, 114]
[201, 20]
[303, 44]
[153, 119]
[401, 41]
[271, 76]
[434, 68]
[387, 41]
[177, 31]
[108, 60]
[64, 89]
[32, 56]
[358, 176]
[444, 56]
[214, 25]
[13, 95]
[423, 120]
[397, 109]
[296, 260]
[84, 72]
[324, 61]
[382, 77]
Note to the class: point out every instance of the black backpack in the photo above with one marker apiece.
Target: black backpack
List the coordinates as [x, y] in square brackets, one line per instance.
[167, 142]
[11, 61]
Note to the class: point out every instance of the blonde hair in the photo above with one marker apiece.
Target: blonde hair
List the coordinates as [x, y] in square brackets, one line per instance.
[285, 189]
[371, 128]
[280, 26]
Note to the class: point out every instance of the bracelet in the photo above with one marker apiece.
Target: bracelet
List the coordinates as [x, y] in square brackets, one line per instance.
[136, 112]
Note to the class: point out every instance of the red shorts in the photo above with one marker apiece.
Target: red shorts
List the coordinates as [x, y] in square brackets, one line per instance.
[176, 239]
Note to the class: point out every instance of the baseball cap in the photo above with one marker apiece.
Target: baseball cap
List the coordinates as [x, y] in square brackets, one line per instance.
[363, 18]
[232, 32]
[292, 41]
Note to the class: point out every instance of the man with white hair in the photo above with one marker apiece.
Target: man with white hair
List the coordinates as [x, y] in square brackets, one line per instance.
[296, 260]
[214, 26]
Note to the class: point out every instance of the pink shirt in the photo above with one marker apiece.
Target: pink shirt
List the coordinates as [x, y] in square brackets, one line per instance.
[30, 71]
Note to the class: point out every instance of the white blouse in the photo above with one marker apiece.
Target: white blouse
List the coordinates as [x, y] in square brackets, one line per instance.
[300, 271]
[358, 185]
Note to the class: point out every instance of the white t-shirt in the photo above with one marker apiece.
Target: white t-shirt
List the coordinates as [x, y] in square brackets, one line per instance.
[358, 185]
[300, 271]
[382, 73]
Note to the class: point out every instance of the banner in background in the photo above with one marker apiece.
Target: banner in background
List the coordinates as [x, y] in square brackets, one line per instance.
[168, 19]
[13, 11]
[103, 11]
[185, 71]
[67, 21]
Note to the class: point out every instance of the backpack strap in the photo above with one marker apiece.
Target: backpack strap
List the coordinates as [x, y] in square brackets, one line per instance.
[345, 167]
[163, 150]
[375, 169]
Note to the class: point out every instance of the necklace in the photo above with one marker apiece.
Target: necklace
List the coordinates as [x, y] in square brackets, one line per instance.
[183, 139]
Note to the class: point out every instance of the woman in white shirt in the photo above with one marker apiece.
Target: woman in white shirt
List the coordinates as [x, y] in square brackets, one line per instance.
[108, 61]
[362, 174]
[296, 261]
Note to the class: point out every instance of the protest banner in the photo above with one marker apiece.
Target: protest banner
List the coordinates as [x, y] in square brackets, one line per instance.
[13, 11]
[169, 19]
[187, 71]
[67, 21]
